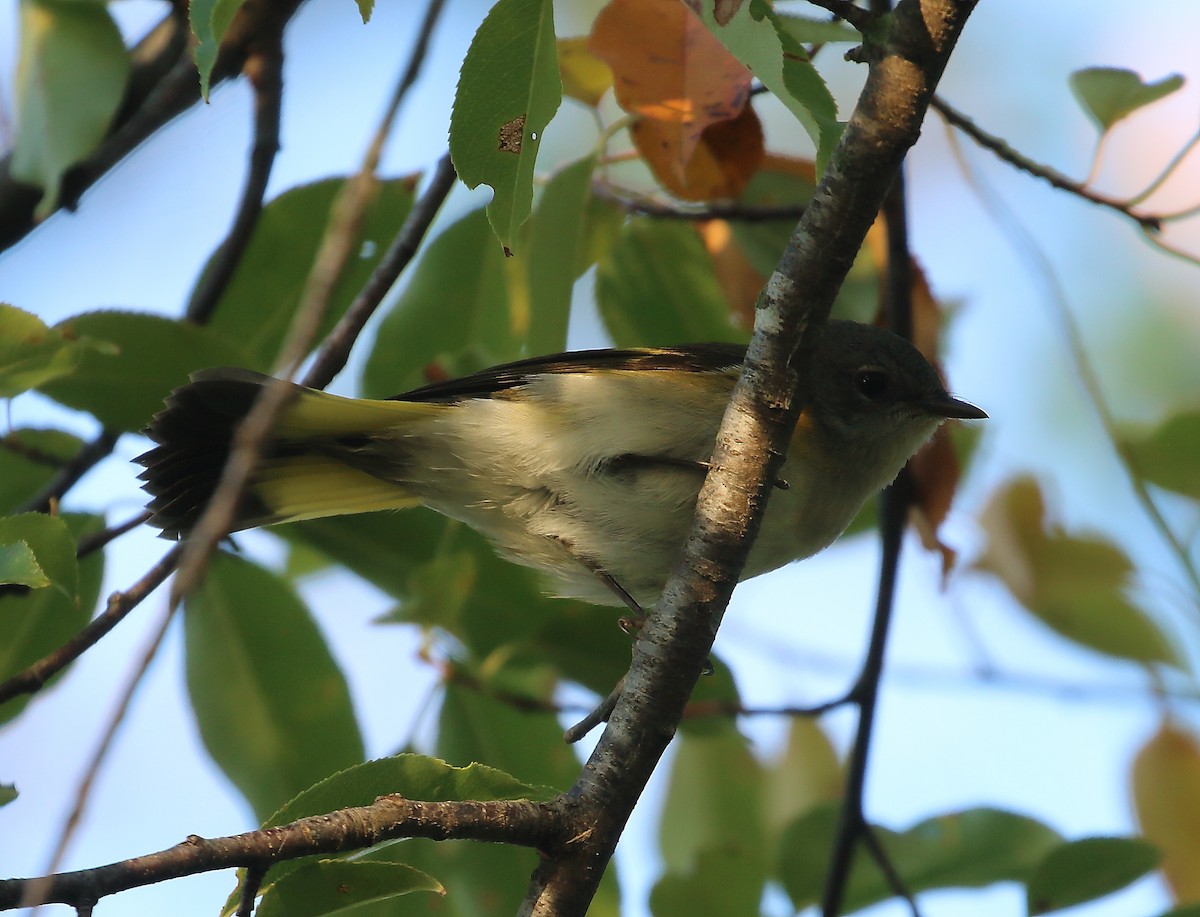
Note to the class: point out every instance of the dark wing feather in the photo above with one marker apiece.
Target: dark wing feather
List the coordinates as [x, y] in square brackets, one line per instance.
[689, 358]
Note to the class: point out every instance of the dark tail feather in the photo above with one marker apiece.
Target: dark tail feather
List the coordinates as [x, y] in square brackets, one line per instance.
[194, 433]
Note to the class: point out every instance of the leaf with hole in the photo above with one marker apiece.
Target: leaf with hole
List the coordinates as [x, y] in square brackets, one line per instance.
[508, 91]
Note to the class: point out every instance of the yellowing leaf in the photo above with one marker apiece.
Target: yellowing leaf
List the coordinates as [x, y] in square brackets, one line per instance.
[1075, 585]
[584, 76]
[1166, 795]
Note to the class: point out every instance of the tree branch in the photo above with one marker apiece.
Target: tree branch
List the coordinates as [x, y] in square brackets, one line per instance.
[163, 84]
[520, 822]
[119, 605]
[765, 404]
[1147, 221]
[264, 69]
[90, 455]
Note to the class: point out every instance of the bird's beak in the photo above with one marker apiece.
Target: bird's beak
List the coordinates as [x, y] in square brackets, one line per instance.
[953, 407]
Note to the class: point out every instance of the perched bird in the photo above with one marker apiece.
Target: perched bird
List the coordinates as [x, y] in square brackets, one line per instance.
[585, 466]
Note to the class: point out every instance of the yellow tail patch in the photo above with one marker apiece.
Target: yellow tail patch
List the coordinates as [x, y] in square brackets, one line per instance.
[313, 486]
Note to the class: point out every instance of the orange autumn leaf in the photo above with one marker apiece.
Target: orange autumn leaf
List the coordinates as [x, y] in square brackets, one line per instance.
[690, 92]
[1166, 794]
[719, 166]
[739, 280]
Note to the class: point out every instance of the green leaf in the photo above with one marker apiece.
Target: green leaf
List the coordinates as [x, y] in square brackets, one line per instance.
[71, 74]
[29, 459]
[657, 287]
[333, 886]
[209, 20]
[32, 353]
[712, 834]
[1108, 94]
[1087, 869]
[448, 321]
[272, 706]
[1170, 455]
[8, 793]
[365, 9]
[508, 91]
[41, 620]
[806, 775]
[969, 849]
[757, 36]
[557, 237]
[718, 882]
[816, 31]
[1075, 585]
[260, 302]
[444, 573]
[19, 566]
[154, 355]
[51, 549]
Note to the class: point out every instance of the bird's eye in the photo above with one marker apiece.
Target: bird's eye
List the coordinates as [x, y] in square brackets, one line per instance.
[873, 384]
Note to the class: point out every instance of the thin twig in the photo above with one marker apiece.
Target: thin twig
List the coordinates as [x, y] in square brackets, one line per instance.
[884, 861]
[264, 69]
[89, 544]
[345, 217]
[336, 349]
[119, 605]
[71, 471]
[735, 213]
[893, 514]
[1148, 221]
[83, 791]
[861, 19]
[13, 443]
[251, 883]
[1088, 379]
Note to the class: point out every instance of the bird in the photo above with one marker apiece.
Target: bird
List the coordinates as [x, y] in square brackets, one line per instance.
[585, 466]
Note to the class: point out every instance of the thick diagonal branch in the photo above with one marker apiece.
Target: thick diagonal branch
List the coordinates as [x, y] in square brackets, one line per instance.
[762, 413]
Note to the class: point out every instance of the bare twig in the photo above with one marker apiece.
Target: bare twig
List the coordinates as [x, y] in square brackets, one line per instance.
[336, 350]
[163, 85]
[119, 605]
[346, 215]
[89, 544]
[1086, 373]
[882, 860]
[83, 791]
[264, 68]
[861, 19]
[735, 213]
[71, 471]
[893, 514]
[521, 822]
[1148, 221]
[251, 883]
